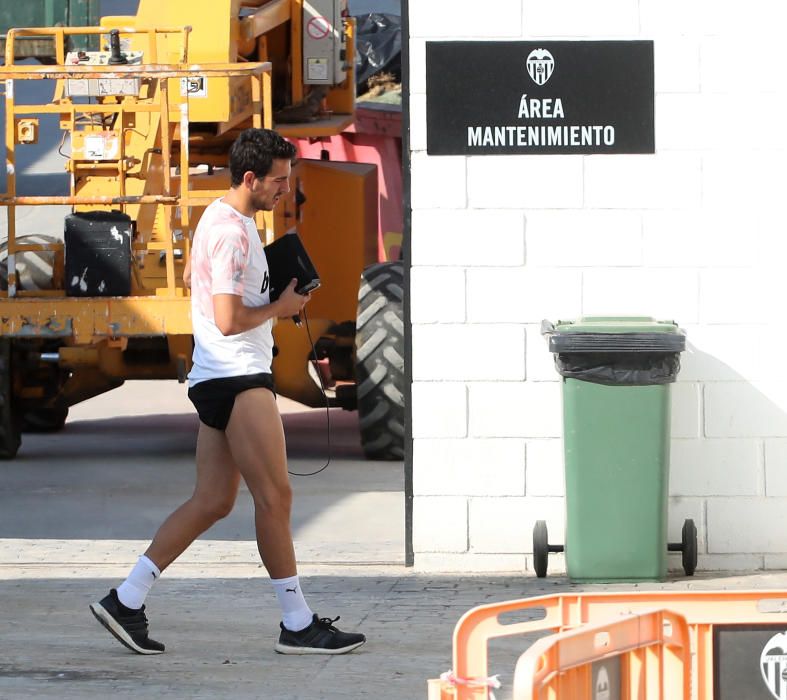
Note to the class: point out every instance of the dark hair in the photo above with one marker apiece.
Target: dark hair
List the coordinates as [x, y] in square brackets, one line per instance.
[255, 150]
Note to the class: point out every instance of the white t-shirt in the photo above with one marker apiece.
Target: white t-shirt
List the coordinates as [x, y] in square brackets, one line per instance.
[227, 257]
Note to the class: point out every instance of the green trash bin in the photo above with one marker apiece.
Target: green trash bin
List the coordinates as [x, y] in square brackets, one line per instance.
[616, 410]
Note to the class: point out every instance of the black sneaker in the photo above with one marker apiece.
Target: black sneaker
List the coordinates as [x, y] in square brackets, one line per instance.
[320, 637]
[129, 627]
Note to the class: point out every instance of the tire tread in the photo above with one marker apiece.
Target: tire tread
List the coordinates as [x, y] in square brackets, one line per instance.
[379, 345]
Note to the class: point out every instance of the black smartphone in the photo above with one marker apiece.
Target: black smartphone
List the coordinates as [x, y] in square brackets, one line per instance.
[309, 287]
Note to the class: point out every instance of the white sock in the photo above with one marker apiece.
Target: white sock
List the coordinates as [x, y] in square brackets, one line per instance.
[295, 614]
[133, 591]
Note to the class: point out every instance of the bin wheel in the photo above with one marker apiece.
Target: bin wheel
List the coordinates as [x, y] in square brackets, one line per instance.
[540, 548]
[689, 546]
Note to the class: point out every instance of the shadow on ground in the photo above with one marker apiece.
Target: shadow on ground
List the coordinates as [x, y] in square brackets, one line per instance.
[101, 488]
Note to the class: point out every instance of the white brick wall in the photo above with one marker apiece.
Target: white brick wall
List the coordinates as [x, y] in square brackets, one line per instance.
[658, 18]
[515, 409]
[462, 19]
[438, 183]
[417, 48]
[453, 237]
[461, 352]
[722, 71]
[578, 18]
[666, 294]
[545, 475]
[746, 409]
[583, 239]
[703, 121]
[516, 295]
[418, 122]
[516, 182]
[506, 524]
[776, 468]
[664, 181]
[676, 62]
[443, 522]
[668, 18]
[725, 352]
[439, 409]
[439, 294]
[735, 295]
[686, 410]
[469, 467]
[540, 362]
[744, 524]
[699, 239]
[694, 233]
[746, 180]
[716, 468]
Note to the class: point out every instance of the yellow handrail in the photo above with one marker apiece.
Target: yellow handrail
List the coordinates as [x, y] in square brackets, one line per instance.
[61, 32]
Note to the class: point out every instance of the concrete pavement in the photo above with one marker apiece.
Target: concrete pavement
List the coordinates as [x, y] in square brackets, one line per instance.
[97, 491]
[219, 624]
[76, 509]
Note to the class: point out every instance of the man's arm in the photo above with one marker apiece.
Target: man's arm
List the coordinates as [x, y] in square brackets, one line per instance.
[232, 316]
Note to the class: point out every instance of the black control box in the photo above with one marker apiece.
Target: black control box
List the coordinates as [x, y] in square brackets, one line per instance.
[98, 254]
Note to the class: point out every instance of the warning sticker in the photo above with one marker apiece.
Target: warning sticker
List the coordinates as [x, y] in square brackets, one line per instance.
[318, 28]
[194, 86]
[94, 147]
[317, 69]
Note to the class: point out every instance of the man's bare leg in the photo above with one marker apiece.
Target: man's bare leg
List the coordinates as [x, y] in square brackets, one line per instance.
[256, 441]
[121, 612]
[213, 498]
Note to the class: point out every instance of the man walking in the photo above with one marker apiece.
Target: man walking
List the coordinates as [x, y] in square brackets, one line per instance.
[230, 384]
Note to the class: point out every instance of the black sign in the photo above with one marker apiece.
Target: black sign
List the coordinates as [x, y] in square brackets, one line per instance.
[749, 662]
[525, 97]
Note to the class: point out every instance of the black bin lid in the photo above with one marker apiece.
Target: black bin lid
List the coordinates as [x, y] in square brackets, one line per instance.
[605, 334]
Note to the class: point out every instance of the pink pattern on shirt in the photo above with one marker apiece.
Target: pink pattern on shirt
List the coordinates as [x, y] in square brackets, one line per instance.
[219, 257]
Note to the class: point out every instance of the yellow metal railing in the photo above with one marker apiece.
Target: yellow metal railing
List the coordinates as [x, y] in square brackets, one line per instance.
[60, 34]
[173, 111]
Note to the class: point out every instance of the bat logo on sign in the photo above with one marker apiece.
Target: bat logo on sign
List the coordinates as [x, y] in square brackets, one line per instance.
[540, 65]
[773, 664]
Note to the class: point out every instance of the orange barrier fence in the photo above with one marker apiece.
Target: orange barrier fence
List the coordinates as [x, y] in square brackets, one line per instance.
[712, 618]
[646, 655]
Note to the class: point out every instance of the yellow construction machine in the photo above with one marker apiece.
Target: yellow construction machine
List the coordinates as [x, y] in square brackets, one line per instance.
[147, 119]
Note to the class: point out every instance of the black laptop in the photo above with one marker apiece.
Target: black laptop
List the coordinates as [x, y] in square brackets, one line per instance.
[288, 259]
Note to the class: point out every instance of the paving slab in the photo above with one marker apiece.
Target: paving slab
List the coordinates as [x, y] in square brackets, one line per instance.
[219, 624]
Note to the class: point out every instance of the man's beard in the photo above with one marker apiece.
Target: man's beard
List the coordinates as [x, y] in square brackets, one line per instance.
[260, 205]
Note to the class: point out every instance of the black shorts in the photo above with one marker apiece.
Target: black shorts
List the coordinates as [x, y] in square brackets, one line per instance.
[214, 398]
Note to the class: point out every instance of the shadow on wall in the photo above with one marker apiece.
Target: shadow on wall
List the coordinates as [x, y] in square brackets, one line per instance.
[728, 463]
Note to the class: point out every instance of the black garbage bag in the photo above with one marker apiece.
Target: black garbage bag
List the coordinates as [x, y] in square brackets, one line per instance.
[378, 47]
[616, 359]
[620, 368]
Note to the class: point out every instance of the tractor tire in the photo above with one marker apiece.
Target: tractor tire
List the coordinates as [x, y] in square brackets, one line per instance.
[10, 427]
[44, 420]
[33, 269]
[379, 361]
